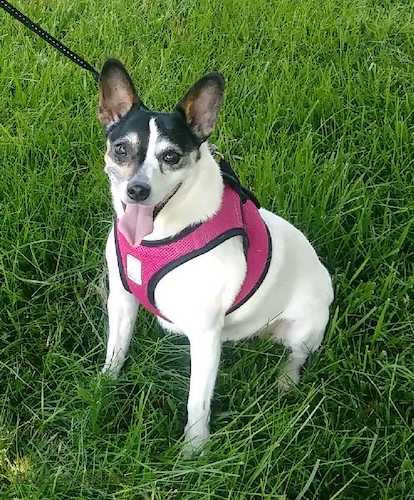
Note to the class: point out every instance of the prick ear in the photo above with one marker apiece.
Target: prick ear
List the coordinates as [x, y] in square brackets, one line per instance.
[117, 93]
[201, 105]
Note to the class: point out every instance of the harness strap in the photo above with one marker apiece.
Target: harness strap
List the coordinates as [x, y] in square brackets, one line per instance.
[47, 37]
[230, 178]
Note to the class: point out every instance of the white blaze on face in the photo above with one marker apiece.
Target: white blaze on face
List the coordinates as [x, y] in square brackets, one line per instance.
[156, 144]
[151, 162]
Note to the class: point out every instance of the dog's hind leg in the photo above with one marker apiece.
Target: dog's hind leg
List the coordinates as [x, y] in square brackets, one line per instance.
[122, 313]
[302, 337]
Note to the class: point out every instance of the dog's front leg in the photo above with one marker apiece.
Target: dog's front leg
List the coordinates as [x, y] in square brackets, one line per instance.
[122, 313]
[205, 348]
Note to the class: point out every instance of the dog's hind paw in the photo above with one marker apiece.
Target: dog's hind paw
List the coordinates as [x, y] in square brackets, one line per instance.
[110, 371]
[287, 380]
[285, 383]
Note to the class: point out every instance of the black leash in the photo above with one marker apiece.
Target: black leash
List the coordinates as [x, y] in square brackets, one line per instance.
[49, 38]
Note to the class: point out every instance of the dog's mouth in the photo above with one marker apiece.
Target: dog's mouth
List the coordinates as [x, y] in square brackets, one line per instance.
[138, 220]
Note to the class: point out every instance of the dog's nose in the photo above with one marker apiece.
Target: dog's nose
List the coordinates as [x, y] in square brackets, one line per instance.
[138, 191]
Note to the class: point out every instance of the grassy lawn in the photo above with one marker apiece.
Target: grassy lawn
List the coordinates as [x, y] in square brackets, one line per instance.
[318, 121]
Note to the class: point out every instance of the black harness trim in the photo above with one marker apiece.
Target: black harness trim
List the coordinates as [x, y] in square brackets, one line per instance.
[170, 239]
[119, 259]
[262, 277]
[230, 179]
[191, 255]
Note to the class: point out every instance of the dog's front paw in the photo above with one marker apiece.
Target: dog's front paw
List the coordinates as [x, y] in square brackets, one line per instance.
[195, 437]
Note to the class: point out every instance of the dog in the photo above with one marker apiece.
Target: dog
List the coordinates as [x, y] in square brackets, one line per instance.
[208, 276]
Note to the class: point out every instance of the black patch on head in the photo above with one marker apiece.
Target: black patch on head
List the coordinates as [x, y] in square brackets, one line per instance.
[173, 127]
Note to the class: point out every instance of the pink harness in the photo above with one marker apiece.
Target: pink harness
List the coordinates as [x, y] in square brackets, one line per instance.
[143, 266]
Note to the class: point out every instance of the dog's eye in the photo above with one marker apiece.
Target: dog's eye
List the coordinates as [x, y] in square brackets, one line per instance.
[121, 150]
[171, 157]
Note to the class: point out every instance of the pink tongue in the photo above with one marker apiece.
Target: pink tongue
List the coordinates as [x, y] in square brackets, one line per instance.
[136, 223]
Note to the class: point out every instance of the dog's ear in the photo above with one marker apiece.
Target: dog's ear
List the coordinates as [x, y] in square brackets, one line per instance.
[117, 93]
[201, 105]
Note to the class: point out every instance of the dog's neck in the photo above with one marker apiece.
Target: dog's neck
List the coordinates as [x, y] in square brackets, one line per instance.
[197, 199]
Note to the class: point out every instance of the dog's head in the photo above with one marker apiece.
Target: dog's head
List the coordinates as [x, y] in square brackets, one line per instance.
[149, 153]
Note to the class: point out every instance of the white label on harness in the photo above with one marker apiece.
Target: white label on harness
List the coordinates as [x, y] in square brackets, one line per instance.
[134, 269]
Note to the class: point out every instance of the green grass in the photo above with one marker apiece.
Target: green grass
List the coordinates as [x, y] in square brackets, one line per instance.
[318, 120]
